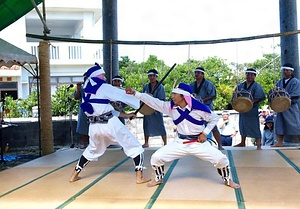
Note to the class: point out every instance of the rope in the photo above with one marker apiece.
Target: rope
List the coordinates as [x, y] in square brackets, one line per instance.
[162, 42]
[189, 59]
[143, 66]
[111, 64]
[274, 61]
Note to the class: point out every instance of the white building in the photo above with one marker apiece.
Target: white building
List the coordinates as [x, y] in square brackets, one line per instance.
[68, 61]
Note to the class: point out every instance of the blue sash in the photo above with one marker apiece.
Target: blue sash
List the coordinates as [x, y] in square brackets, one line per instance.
[185, 115]
[86, 104]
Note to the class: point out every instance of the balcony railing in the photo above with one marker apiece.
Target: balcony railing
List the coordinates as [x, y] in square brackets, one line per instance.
[63, 53]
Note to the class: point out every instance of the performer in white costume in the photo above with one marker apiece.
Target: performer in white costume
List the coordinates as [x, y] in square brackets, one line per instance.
[190, 117]
[105, 127]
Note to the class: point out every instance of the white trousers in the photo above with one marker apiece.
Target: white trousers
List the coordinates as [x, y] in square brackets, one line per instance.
[177, 149]
[114, 132]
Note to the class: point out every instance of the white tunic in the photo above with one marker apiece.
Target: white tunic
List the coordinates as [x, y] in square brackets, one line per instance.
[177, 149]
[114, 132]
[185, 127]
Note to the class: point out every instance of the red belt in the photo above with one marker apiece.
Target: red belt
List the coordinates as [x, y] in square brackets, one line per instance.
[190, 141]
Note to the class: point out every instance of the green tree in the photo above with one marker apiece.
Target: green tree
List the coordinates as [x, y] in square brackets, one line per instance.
[29, 102]
[225, 76]
[62, 101]
[11, 108]
[125, 62]
[135, 75]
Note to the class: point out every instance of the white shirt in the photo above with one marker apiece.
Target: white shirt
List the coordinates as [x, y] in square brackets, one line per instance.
[185, 127]
[228, 129]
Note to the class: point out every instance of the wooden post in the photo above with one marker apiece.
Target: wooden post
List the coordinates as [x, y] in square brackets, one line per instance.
[45, 99]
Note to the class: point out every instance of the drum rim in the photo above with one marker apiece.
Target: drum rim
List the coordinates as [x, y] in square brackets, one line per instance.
[146, 107]
[242, 99]
[279, 107]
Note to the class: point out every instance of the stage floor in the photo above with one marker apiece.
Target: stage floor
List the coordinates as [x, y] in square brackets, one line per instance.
[269, 178]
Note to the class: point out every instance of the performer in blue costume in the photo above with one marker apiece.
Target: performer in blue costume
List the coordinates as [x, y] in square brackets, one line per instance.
[153, 124]
[249, 121]
[288, 122]
[190, 117]
[105, 127]
[205, 91]
[82, 124]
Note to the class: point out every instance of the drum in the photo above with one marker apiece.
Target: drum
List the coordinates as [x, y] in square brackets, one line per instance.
[146, 110]
[242, 101]
[279, 99]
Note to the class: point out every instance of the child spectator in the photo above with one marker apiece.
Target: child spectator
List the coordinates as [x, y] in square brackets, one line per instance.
[268, 132]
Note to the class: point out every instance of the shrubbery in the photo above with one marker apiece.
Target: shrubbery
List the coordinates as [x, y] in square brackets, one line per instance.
[62, 103]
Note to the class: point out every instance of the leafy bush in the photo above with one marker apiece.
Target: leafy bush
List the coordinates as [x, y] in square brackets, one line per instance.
[63, 101]
[12, 108]
[29, 102]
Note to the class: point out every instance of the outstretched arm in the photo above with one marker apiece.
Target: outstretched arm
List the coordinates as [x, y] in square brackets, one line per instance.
[127, 115]
[123, 114]
[159, 105]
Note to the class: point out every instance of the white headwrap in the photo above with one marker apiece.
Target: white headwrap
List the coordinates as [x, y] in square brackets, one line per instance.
[251, 71]
[186, 94]
[118, 79]
[199, 70]
[287, 68]
[181, 91]
[95, 71]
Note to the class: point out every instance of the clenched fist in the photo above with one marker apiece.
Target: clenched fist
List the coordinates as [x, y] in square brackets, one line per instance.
[130, 90]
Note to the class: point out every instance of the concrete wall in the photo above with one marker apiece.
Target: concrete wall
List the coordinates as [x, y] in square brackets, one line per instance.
[26, 132]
